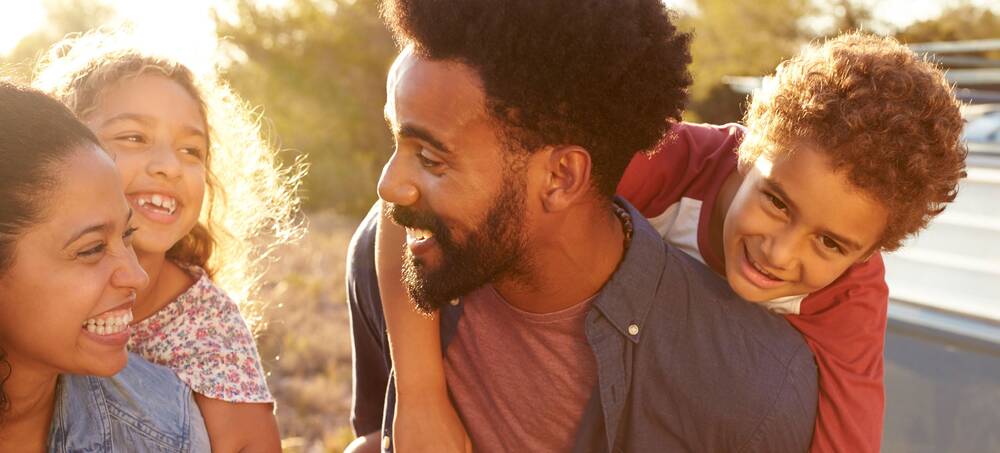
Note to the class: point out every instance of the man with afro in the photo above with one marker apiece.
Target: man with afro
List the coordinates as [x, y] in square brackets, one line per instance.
[567, 323]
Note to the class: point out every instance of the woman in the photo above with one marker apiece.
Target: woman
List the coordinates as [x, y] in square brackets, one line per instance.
[68, 279]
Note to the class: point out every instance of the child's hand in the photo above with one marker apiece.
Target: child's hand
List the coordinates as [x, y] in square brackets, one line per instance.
[428, 424]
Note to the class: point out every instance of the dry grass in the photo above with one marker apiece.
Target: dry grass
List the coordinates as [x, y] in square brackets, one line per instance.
[306, 345]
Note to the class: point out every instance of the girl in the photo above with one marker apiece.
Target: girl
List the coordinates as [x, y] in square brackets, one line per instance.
[68, 272]
[830, 172]
[211, 201]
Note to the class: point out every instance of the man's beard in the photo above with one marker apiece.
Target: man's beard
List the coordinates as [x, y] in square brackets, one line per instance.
[493, 250]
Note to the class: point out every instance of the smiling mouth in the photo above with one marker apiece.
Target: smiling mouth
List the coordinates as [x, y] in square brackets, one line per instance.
[417, 234]
[760, 269]
[158, 203]
[109, 323]
[756, 274]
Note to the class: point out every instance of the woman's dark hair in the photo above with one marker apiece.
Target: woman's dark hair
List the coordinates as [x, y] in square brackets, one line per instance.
[607, 75]
[36, 133]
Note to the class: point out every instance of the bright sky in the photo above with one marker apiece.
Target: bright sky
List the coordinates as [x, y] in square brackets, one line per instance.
[185, 27]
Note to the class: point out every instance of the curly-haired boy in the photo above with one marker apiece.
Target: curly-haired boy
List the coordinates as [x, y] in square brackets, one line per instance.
[849, 148]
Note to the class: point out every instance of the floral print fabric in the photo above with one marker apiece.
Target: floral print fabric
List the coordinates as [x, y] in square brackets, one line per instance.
[202, 337]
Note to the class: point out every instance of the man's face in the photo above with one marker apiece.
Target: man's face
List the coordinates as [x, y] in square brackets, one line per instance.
[451, 182]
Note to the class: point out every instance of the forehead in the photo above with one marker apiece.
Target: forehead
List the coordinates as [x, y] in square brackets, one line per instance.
[89, 192]
[826, 199]
[441, 96]
[150, 95]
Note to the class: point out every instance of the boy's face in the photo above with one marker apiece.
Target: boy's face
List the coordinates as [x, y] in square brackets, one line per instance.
[795, 225]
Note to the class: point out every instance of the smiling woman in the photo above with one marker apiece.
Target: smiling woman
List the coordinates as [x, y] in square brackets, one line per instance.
[67, 269]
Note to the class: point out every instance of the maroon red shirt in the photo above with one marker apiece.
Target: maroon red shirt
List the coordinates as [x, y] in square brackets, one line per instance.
[530, 394]
[843, 323]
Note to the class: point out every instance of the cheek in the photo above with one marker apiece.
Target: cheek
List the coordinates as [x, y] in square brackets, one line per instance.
[819, 273]
[52, 310]
[129, 165]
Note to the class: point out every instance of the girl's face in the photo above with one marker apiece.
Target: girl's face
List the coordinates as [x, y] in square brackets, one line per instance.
[66, 299]
[158, 136]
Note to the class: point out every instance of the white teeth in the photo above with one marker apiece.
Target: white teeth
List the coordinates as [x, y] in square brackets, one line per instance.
[161, 201]
[108, 326]
[419, 234]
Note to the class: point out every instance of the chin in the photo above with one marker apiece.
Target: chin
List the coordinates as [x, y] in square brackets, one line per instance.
[110, 366]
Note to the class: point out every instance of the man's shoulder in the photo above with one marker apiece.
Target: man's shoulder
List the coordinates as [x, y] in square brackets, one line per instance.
[361, 250]
[734, 374]
[710, 303]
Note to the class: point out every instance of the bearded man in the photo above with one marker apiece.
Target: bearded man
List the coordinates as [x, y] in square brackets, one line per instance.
[568, 324]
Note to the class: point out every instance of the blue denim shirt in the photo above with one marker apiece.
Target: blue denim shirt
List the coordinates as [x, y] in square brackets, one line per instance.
[683, 363]
[143, 408]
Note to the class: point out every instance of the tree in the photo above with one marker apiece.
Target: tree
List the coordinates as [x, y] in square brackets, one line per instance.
[318, 67]
[62, 17]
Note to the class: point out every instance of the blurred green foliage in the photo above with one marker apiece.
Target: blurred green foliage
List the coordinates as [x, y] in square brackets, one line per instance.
[318, 67]
[62, 17]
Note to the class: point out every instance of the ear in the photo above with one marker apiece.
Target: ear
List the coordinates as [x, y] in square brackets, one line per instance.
[568, 177]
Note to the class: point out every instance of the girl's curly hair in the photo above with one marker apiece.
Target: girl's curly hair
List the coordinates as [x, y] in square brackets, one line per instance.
[251, 204]
[885, 117]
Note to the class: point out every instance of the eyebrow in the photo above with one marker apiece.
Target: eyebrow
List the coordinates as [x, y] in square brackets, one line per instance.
[148, 120]
[93, 228]
[773, 185]
[419, 133]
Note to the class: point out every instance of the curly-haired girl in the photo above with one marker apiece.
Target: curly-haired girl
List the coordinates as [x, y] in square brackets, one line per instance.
[849, 148]
[211, 202]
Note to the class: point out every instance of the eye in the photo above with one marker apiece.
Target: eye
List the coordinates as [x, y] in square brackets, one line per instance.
[194, 152]
[128, 234]
[831, 244]
[92, 251]
[427, 162]
[776, 202]
[131, 138]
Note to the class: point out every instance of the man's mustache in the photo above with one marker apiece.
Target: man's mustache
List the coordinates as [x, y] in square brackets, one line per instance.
[411, 218]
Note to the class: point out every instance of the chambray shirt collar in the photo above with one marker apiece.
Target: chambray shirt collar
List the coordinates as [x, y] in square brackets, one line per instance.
[627, 297]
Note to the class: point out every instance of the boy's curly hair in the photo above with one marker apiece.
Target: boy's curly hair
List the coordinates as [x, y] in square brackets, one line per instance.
[885, 117]
[251, 203]
[606, 75]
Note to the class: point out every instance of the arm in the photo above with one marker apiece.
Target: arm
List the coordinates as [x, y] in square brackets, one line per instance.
[844, 325]
[424, 417]
[227, 426]
[369, 349]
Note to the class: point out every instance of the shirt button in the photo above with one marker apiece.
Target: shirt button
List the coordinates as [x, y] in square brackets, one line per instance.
[454, 302]
[633, 329]
[386, 442]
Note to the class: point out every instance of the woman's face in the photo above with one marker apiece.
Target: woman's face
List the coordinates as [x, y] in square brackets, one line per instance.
[66, 299]
[158, 136]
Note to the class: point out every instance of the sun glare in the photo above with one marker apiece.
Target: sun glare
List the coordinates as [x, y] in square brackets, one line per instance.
[17, 20]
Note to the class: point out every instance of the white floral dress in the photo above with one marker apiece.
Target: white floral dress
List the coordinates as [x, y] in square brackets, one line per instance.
[202, 337]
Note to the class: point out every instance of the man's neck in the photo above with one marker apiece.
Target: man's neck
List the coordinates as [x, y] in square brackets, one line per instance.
[31, 391]
[569, 262]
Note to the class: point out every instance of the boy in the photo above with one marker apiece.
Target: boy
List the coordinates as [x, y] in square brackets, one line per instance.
[850, 147]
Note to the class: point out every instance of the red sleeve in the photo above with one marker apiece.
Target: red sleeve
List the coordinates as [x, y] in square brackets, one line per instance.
[844, 325]
[685, 161]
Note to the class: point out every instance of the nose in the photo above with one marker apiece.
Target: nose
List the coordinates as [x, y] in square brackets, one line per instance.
[129, 274]
[163, 161]
[395, 184]
[781, 250]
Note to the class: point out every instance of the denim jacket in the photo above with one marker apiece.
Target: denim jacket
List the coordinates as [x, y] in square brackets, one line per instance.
[143, 408]
[683, 363]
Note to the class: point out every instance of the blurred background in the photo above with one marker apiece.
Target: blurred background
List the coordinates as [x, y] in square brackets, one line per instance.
[316, 69]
